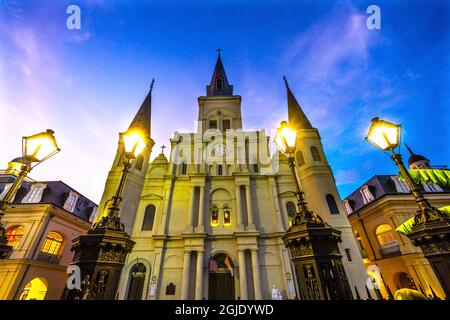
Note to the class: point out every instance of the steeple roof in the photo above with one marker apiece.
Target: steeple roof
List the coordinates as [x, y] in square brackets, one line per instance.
[142, 119]
[414, 157]
[219, 85]
[297, 117]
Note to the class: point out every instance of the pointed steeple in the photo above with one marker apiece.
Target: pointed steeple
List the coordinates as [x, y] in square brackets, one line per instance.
[414, 158]
[219, 85]
[297, 117]
[142, 119]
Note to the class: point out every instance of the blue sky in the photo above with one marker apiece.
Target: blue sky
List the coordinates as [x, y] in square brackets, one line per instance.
[87, 84]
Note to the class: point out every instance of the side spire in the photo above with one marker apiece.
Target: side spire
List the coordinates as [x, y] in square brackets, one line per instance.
[219, 85]
[416, 160]
[409, 149]
[297, 117]
[142, 119]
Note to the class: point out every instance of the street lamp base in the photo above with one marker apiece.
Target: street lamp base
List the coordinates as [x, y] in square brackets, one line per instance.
[433, 238]
[318, 262]
[100, 253]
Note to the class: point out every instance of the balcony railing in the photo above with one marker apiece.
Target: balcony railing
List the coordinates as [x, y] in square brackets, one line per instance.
[390, 251]
[50, 258]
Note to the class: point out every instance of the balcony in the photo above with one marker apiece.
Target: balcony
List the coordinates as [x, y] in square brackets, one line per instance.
[50, 258]
[390, 251]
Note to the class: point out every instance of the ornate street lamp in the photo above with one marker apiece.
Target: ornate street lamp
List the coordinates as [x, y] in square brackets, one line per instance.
[286, 141]
[431, 229]
[35, 150]
[313, 244]
[100, 253]
[133, 145]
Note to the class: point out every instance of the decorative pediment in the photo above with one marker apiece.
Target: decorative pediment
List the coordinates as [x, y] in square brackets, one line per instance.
[287, 194]
[151, 196]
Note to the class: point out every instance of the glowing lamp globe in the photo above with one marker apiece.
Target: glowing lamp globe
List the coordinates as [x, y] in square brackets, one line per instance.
[285, 138]
[384, 135]
[39, 147]
[133, 144]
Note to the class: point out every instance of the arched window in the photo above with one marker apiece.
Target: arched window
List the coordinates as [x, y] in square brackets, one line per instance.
[385, 235]
[290, 209]
[36, 289]
[35, 193]
[52, 244]
[315, 154]
[226, 215]
[214, 216]
[136, 284]
[219, 84]
[348, 206]
[71, 201]
[149, 218]
[139, 163]
[14, 235]
[299, 158]
[367, 194]
[332, 204]
[219, 170]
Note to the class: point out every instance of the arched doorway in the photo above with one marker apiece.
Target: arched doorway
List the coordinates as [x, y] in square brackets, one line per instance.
[221, 278]
[36, 289]
[136, 282]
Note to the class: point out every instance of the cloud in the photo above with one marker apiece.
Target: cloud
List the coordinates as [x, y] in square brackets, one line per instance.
[344, 177]
[80, 38]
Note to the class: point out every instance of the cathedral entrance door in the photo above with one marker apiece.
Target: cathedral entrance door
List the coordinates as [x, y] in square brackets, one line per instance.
[221, 279]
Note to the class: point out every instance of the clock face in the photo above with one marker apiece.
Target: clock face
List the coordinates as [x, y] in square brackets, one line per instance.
[220, 149]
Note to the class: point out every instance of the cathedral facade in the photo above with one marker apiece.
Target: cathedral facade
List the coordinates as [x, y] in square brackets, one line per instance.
[208, 220]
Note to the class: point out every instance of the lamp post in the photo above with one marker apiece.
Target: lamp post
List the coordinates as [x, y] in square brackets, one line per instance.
[313, 244]
[35, 150]
[431, 229]
[100, 253]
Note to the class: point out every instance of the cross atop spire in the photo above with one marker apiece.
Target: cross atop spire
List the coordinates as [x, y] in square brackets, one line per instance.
[285, 81]
[162, 149]
[297, 118]
[151, 84]
[219, 85]
[142, 119]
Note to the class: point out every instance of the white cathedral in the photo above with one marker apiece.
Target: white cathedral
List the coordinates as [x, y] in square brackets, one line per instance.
[208, 221]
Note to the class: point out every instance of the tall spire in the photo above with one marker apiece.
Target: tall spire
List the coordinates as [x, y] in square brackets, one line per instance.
[219, 85]
[297, 117]
[142, 119]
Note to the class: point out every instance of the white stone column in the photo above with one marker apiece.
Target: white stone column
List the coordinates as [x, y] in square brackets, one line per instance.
[242, 276]
[239, 212]
[251, 223]
[199, 276]
[185, 283]
[191, 209]
[256, 276]
[201, 213]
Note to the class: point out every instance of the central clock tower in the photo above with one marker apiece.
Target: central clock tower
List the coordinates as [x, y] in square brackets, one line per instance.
[219, 109]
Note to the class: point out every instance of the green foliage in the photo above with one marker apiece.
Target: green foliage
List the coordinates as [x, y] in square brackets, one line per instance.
[429, 176]
[406, 227]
